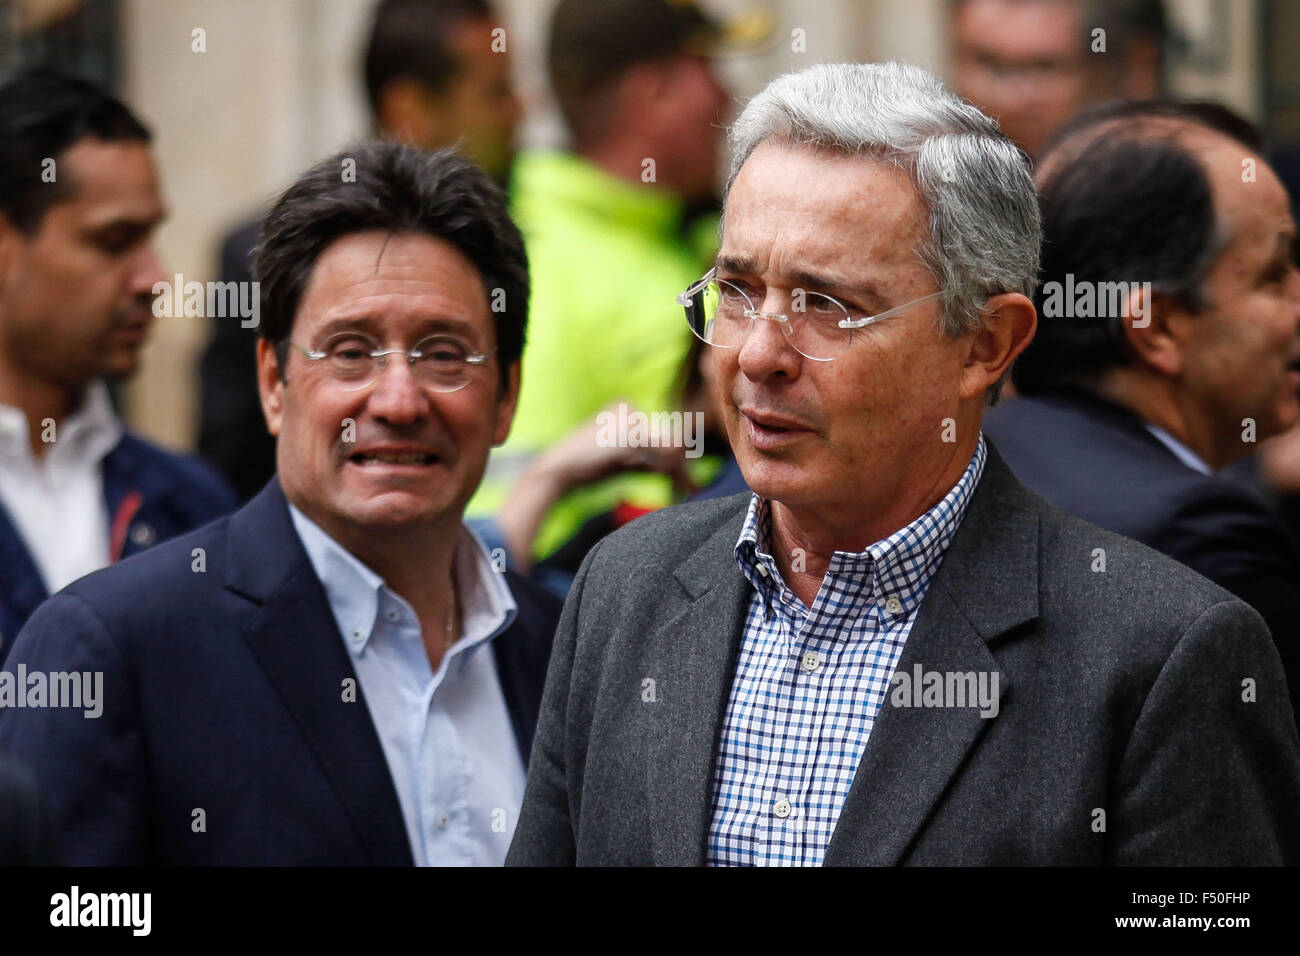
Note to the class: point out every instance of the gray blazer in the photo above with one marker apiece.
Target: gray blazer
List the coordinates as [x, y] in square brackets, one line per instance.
[1120, 691]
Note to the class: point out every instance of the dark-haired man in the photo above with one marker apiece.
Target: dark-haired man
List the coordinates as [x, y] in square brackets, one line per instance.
[78, 212]
[1168, 344]
[436, 73]
[338, 673]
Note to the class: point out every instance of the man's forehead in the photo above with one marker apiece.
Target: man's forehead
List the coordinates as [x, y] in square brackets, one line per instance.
[377, 276]
[816, 206]
[1249, 198]
[110, 180]
[1020, 28]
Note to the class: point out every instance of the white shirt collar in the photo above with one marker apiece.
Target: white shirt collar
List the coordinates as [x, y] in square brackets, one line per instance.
[87, 435]
[1181, 451]
[355, 591]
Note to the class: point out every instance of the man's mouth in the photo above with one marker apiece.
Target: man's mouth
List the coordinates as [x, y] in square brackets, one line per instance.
[769, 432]
[772, 422]
[393, 458]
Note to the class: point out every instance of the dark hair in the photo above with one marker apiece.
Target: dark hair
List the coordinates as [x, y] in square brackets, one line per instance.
[1125, 201]
[1205, 113]
[42, 114]
[401, 190]
[408, 38]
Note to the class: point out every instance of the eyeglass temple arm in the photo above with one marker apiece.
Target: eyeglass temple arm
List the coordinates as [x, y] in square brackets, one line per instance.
[686, 299]
[869, 319]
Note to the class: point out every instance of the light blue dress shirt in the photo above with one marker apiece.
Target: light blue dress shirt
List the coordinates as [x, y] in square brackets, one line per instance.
[1181, 451]
[447, 735]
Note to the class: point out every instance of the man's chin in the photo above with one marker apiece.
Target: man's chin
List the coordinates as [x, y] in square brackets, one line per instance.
[392, 511]
[772, 478]
[118, 367]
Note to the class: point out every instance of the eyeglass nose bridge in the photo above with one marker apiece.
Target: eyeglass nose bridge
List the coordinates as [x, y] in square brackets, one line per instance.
[381, 360]
[781, 317]
[787, 326]
[380, 366]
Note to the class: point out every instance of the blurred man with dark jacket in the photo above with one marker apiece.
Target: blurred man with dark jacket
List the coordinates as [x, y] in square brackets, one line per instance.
[1167, 347]
[77, 273]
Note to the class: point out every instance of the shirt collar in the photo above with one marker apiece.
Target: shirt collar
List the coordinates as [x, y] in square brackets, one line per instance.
[898, 567]
[355, 592]
[88, 434]
[563, 178]
[1180, 451]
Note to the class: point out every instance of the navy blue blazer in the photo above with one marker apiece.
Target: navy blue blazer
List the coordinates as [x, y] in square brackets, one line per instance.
[223, 693]
[151, 495]
[22, 827]
[1097, 460]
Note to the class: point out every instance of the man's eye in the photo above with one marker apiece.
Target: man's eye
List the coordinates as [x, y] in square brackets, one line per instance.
[117, 241]
[443, 352]
[349, 350]
[1278, 273]
[731, 292]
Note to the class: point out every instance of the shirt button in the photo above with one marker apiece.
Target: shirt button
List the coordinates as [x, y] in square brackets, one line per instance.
[142, 535]
[444, 821]
[392, 615]
[762, 570]
[811, 662]
[782, 808]
[894, 606]
[358, 636]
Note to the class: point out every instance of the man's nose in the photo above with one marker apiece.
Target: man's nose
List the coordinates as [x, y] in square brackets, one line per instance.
[396, 397]
[146, 271]
[767, 350]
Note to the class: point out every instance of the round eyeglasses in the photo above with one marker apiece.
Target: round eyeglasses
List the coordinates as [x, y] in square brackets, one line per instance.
[441, 363]
[818, 327]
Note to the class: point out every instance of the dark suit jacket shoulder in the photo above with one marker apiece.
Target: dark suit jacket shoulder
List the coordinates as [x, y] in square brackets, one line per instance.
[152, 493]
[1120, 692]
[226, 736]
[1096, 460]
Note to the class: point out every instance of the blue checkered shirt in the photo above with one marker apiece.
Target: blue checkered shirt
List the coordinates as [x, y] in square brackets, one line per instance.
[810, 681]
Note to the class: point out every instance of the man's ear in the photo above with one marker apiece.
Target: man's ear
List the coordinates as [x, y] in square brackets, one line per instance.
[1154, 330]
[506, 408]
[270, 387]
[1010, 322]
[10, 237]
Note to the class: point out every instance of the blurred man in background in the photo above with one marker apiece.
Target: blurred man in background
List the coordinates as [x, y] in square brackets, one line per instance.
[1133, 402]
[77, 270]
[435, 75]
[607, 232]
[1032, 64]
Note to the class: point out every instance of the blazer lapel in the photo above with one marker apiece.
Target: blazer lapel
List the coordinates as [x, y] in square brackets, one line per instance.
[296, 642]
[986, 586]
[697, 650]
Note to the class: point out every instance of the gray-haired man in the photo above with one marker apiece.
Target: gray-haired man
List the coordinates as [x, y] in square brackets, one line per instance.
[892, 652]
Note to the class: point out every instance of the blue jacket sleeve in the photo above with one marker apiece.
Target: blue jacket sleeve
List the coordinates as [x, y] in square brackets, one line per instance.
[89, 761]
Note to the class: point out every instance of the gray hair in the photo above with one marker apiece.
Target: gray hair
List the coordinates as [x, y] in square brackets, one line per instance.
[984, 228]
